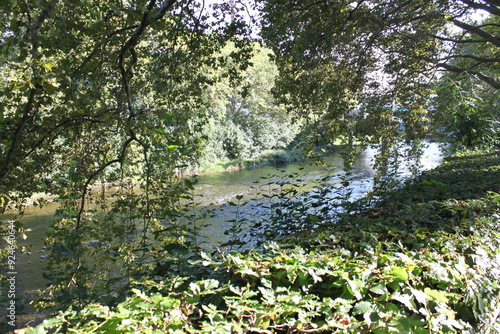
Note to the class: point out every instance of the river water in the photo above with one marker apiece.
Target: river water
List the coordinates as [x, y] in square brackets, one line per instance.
[214, 192]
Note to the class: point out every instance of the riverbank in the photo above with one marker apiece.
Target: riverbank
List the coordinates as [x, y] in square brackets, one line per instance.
[425, 259]
[269, 158]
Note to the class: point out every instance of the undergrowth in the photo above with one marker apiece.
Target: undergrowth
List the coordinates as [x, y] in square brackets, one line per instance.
[424, 260]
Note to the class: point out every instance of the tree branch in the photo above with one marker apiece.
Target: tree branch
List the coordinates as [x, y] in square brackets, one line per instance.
[9, 158]
[96, 173]
[492, 82]
[458, 41]
[476, 58]
[132, 42]
[477, 31]
[492, 8]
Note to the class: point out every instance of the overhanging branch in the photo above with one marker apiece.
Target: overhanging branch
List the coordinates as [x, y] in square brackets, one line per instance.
[492, 8]
[489, 80]
[477, 31]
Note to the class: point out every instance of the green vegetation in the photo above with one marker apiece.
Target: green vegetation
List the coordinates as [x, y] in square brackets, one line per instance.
[424, 260]
[266, 158]
[245, 126]
[104, 103]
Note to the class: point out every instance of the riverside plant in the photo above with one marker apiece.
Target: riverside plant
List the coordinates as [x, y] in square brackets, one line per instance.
[336, 286]
[384, 289]
[404, 266]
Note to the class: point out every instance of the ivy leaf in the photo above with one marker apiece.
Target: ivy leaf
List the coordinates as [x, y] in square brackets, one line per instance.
[400, 273]
[406, 300]
[379, 289]
[354, 287]
[248, 271]
[267, 294]
[205, 256]
[440, 296]
[362, 308]
[211, 284]
[420, 296]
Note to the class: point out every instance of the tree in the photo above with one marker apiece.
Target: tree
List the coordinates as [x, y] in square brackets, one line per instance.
[365, 67]
[474, 44]
[245, 119]
[71, 73]
[96, 92]
[466, 105]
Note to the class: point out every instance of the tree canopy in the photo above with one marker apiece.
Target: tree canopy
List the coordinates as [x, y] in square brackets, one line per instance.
[104, 93]
[77, 74]
[84, 81]
[338, 56]
[366, 69]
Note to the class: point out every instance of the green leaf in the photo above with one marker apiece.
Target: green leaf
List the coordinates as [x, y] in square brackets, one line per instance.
[314, 218]
[248, 271]
[362, 308]
[437, 295]
[400, 273]
[420, 296]
[205, 256]
[379, 289]
[160, 131]
[139, 293]
[354, 287]
[48, 65]
[210, 284]
[406, 300]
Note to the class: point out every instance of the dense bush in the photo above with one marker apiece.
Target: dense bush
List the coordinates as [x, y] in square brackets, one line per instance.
[248, 138]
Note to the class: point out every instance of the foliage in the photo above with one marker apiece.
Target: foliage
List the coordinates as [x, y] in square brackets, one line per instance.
[360, 71]
[473, 117]
[472, 120]
[101, 104]
[418, 262]
[245, 120]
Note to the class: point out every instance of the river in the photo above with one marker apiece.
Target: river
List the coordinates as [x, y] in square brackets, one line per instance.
[214, 192]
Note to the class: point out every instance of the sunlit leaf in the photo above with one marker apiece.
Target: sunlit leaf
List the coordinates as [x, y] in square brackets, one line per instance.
[440, 296]
[399, 273]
